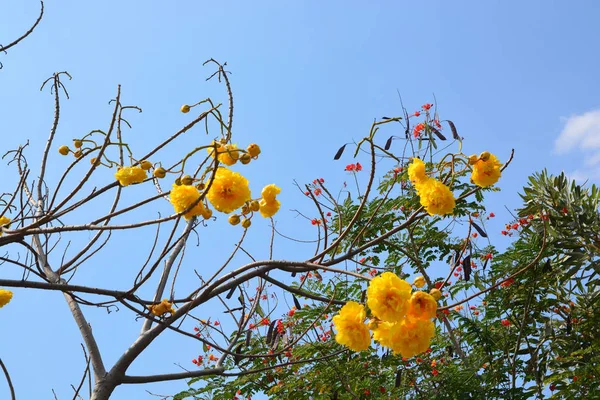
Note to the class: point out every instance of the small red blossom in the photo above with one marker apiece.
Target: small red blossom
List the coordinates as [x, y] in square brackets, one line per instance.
[382, 389]
[437, 123]
[507, 283]
[515, 226]
[492, 215]
[265, 321]
[417, 113]
[474, 234]
[321, 180]
[504, 233]
[488, 256]
[358, 167]
[307, 193]
[438, 285]
[367, 392]
[292, 312]
[552, 387]
[427, 106]
[217, 323]
[328, 213]
[318, 191]
[575, 379]
[417, 130]
[373, 272]
[435, 372]
[505, 322]
[251, 326]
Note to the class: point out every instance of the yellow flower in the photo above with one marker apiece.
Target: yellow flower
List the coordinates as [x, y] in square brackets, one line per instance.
[486, 173]
[4, 220]
[382, 333]
[183, 196]
[416, 171]
[161, 308]
[229, 191]
[422, 306]
[352, 331]
[419, 282]
[228, 154]
[5, 296]
[436, 197]
[411, 336]
[269, 205]
[387, 297]
[128, 175]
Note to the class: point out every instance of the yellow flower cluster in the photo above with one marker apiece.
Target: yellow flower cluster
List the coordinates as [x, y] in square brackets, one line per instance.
[436, 197]
[269, 205]
[229, 191]
[130, 175]
[352, 331]
[183, 196]
[5, 296]
[4, 220]
[402, 319]
[486, 169]
[161, 308]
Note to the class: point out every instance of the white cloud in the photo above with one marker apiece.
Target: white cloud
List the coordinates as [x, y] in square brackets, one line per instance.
[580, 131]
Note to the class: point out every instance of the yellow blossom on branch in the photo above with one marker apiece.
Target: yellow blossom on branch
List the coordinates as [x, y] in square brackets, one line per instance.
[229, 191]
[129, 175]
[5, 296]
[161, 308]
[411, 336]
[352, 331]
[4, 220]
[269, 205]
[183, 196]
[436, 197]
[228, 154]
[486, 172]
[422, 306]
[387, 297]
[416, 171]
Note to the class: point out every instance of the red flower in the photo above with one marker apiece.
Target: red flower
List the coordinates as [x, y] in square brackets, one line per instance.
[435, 372]
[318, 191]
[321, 180]
[358, 167]
[426, 106]
[438, 285]
[575, 379]
[552, 387]
[504, 233]
[488, 256]
[350, 167]
[515, 226]
[437, 123]
[505, 322]
[307, 193]
[329, 213]
[417, 113]
[382, 389]
[492, 215]
[373, 272]
[367, 392]
[217, 323]
[265, 321]
[507, 283]
[417, 130]
[292, 312]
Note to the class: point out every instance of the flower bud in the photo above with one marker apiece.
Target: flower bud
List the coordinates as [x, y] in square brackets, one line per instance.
[419, 282]
[64, 150]
[77, 143]
[200, 186]
[93, 160]
[234, 219]
[185, 109]
[178, 181]
[246, 223]
[146, 165]
[254, 205]
[207, 213]
[245, 209]
[473, 159]
[159, 173]
[485, 155]
[78, 154]
[436, 294]
[253, 150]
[245, 158]
[187, 180]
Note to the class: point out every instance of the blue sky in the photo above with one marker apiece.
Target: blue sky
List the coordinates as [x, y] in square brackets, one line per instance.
[307, 77]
